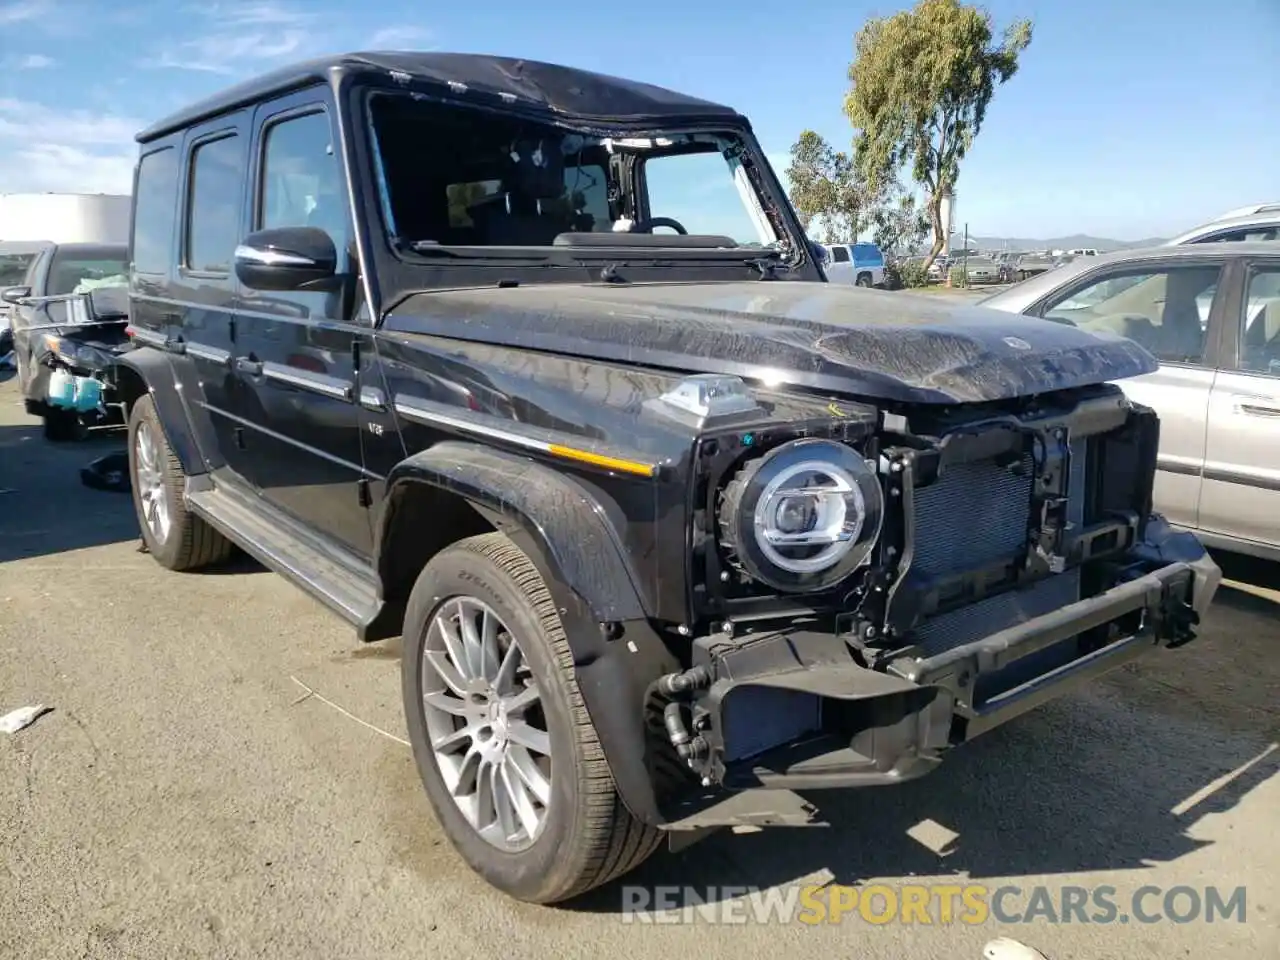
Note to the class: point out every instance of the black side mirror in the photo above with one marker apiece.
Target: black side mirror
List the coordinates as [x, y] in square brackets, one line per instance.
[287, 258]
[15, 295]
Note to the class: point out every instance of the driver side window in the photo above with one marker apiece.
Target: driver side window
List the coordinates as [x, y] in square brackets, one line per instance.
[301, 178]
[1165, 310]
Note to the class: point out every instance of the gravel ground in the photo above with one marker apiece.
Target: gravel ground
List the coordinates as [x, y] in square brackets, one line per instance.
[187, 798]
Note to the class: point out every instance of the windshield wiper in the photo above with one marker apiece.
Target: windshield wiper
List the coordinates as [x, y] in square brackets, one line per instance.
[430, 248]
[433, 248]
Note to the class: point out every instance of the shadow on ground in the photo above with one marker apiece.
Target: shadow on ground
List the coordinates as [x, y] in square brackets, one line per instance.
[44, 508]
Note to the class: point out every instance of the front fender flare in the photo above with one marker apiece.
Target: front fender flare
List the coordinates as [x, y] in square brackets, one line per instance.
[567, 535]
[566, 525]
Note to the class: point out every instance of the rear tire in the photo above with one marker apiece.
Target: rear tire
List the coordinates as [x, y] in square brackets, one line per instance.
[177, 538]
[586, 836]
[864, 280]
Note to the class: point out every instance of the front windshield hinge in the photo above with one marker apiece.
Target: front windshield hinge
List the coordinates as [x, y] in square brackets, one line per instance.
[768, 267]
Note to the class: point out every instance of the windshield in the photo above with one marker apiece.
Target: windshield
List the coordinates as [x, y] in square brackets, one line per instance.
[13, 268]
[77, 273]
[460, 177]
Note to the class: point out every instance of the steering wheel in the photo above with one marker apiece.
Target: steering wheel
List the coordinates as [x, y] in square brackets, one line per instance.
[646, 226]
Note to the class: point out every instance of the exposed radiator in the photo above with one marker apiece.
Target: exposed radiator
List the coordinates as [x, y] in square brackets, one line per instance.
[975, 514]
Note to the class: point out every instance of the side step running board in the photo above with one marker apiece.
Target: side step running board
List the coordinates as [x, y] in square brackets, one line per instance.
[341, 581]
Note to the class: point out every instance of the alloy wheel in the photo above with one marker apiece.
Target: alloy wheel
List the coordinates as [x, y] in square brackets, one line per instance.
[485, 722]
[150, 482]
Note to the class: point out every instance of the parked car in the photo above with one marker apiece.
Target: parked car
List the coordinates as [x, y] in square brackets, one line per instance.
[15, 260]
[52, 330]
[1032, 264]
[1211, 314]
[981, 270]
[707, 550]
[861, 264]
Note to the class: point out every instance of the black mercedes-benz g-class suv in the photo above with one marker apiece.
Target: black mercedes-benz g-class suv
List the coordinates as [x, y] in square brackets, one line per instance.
[537, 369]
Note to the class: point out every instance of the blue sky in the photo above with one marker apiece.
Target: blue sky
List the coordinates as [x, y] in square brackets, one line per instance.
[1128, 118]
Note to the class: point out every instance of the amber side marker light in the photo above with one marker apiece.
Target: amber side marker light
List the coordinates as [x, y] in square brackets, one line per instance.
[599, 460]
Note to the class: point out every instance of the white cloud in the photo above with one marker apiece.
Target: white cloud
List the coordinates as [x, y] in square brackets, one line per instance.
[65, 150]
[232, 53]
[255, 13]
[399, 38]
[35, 61]
[244, 38]
[24, 11]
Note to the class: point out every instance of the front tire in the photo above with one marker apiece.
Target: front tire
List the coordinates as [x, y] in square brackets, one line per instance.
[864, 280]
[509, 758]
[176, 537]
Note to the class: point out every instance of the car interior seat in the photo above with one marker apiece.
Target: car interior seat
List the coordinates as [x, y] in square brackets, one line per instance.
[1133, 326]
[529, 209]
[1260, 347]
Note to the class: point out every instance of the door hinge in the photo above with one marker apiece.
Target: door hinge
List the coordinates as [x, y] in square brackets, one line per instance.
[362, 493]
[355, 354]
[239, 438]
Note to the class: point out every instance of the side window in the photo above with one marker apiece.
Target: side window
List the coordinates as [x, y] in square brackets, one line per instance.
[1165, 310]
[1242, 235]
[1260, 323]
[587, 186]
[213, 205]
[155, 211]
[301, 179]
[840, 254]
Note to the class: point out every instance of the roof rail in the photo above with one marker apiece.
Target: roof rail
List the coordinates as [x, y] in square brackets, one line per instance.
[1256, 208]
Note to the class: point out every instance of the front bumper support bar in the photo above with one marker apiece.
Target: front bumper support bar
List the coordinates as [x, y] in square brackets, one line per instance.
[1168, 601]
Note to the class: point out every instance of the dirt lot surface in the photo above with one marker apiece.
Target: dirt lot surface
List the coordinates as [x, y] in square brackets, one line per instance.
[187, 798]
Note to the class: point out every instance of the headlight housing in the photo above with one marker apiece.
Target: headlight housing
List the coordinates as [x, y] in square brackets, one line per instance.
[804, 516]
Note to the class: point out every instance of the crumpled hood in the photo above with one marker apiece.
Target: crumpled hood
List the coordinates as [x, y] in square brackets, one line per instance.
[894, 346]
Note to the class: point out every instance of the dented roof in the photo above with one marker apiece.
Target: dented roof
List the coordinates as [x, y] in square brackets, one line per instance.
[551, 87]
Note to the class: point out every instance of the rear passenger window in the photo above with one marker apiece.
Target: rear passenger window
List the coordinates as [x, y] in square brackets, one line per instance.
[213, 205]
[840, 254]
[1243, 235]
[867, 253]
[155, 211]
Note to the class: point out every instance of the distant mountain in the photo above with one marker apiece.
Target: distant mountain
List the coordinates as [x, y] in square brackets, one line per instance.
[1101, 244]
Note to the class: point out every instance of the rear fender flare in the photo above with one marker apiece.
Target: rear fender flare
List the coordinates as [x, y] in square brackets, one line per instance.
[148, 371]
[568, 537]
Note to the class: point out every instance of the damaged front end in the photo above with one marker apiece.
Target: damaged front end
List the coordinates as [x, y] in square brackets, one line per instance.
[935, 573]
[73, 355]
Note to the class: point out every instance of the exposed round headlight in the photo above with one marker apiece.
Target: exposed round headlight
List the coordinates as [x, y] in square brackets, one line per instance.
[804, 516]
